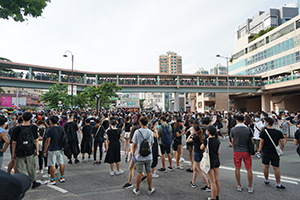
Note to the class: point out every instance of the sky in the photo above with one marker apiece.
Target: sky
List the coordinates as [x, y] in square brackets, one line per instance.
[129, 35]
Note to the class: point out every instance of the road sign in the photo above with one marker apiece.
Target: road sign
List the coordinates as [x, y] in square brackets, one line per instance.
[74, 90]
[69, 89]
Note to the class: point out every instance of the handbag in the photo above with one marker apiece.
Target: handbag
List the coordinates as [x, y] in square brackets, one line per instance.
[278, 149]
[205, 162]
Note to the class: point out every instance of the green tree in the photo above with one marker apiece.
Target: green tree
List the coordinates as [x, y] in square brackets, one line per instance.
[57, 93]
[99, 96]
[20, 9]
[81, 100]
[141, 102]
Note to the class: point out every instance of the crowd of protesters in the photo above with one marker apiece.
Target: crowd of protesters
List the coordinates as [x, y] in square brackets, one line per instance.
[147, 137]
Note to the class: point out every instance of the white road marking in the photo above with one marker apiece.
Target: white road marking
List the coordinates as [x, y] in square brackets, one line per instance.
[282, 180]
[260, 173]
[53, 187]
[57, 188]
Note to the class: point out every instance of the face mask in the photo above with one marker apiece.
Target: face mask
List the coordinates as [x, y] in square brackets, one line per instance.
[198, 117]
[157, 126]
[283, 118]
[262, 116]
[256, 119]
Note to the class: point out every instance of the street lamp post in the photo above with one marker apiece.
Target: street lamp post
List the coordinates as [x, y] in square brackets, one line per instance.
[65, 55]
[228, 100]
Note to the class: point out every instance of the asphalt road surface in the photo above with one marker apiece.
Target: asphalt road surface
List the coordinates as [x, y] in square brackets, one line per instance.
[85, 181]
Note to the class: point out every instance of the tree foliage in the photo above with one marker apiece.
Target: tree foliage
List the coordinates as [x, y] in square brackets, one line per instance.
[99, 96]
[57, 93]
[20, 9]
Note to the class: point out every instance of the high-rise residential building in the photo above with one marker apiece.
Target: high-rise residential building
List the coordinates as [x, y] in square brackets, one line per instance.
[272, 55]
[218, 69]
[170, 63]
[201, 70]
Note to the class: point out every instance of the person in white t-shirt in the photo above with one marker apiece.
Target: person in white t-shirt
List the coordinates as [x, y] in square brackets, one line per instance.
[258, 127]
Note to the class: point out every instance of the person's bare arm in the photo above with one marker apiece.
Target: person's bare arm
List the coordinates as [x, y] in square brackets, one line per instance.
[6, 140]
[134, 146]
[261, 144]
[47, 142]
[296, 142]
[232, 142]
[281, 142]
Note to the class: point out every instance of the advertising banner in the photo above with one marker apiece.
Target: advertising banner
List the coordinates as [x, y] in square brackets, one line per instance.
[6, 101]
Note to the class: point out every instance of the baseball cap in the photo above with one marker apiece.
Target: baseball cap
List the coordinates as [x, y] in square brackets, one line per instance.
[13, 186]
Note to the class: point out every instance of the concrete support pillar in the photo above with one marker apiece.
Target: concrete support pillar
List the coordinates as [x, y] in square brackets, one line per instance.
[197, 80]
[266, 102]
[117, 79]
[176, 102]
[30, 73]
[138, 79]
[96, 77]
[157, 79]
[59, 76]
[84, 79]
[193, 105]
[217, 81]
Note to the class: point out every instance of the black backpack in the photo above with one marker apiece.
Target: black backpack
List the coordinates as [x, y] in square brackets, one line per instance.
[25, 141]
[145, 147]
[166, 136]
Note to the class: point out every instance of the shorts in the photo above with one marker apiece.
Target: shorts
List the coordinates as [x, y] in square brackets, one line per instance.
[189, 147]
[55, 157]
[164, 149]
[256, 143]
[198, 157]
[127, 135]
[273, 158]
[239, 156]
[140, 164]
[175, 145]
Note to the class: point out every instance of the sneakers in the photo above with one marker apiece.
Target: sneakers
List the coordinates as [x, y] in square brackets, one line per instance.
[127, 186]
[179, 167]
[182, 159]
[144, 178]
[35, 184]
[82, 160]
[46, 168]
[279, 188]
[206, 189]
[267, 183]
[154, 175]
[250, 190]
[46, 176]
[170, 169]
[173, 159]
[189, 170]
[112, 173]
[150, 191]
[39, 171]
[62, 180]
[192, 184]
[49, 182]
[136, 192]
[76, 161]
[162, 169]
[70, 162]
[119, 172]
[239, 188]
[95, 163]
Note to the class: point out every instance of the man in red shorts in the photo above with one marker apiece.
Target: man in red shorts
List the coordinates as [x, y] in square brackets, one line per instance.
[240, 136]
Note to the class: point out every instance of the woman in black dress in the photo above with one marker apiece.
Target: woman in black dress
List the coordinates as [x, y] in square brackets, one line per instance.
[113, 155]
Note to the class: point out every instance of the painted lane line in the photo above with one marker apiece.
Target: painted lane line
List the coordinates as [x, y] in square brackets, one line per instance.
[53, 187]
[282, 180]
[57, 188]
[260, 173]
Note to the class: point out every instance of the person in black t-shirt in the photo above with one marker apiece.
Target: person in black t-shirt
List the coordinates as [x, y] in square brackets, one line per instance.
[269, 152]
[177, 141]
[297, 141]
[87, 140]
[98, 133]
[189, 145]
[214, 156]
[71, 131]
[26, 159]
